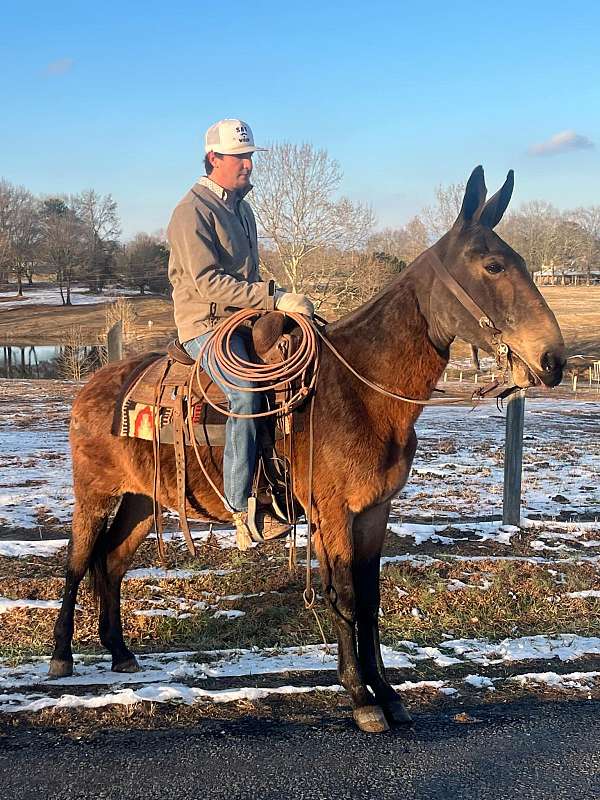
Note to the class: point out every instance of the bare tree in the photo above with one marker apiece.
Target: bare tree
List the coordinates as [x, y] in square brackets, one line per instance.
[404, 244]
[74, 361]
[63, 243]
[588, 220]
[298, 214]
[440, 217]
[19, 231]
[6, 194]
[142, 263]
[98, 215]
[544, 236]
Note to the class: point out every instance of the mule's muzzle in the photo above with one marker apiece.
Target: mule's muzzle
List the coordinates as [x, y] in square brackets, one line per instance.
[552, 365]
[546, 370]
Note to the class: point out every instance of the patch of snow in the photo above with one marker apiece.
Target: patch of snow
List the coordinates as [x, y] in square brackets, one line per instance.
[478, 681]
[232, 613]
[43, 548]
[6, 604]
[420, 533]
[179, 693]
[566, 647]
[160, 573]
[579, 681]
[50, 296]
[454, 585]
[161, 612]
[536, 544]
[173, 693]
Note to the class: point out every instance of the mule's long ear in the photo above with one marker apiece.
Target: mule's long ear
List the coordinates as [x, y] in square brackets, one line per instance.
[474, 198]
[494, 209]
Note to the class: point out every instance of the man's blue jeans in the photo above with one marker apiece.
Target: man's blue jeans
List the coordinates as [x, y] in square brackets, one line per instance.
[239, 457]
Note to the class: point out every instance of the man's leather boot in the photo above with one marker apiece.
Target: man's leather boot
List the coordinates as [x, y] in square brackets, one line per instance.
[262, 527]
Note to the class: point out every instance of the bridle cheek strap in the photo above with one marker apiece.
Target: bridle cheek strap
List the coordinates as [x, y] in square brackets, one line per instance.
[501, 349]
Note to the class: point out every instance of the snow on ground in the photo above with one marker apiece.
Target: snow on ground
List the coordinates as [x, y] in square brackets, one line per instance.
[565, 647]
[43, 549]
[458, 469]
[457, 475]
[177, 677]
[50, 296]
[180, 693]
[457, 472]
[6, 604]
[580, 681]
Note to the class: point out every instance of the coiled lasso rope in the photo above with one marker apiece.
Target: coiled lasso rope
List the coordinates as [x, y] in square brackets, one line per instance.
[221, 361]
[302, 364]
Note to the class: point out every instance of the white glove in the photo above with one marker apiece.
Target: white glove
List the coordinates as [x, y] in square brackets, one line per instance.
[294, 303]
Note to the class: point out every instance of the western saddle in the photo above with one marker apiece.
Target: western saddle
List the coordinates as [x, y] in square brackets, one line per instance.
[156, 403]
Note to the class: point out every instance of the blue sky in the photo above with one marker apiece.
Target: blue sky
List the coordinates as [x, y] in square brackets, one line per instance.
[116, 96]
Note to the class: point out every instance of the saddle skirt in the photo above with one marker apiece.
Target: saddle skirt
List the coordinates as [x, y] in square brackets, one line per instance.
[163, 402]
[157, 391]
[153, 395]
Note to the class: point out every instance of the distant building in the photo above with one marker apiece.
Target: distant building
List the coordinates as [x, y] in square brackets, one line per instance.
[565, 276]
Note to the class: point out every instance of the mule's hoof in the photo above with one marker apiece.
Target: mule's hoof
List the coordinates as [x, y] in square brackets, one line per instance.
[397, 714]
[130, 665]
[59, 668]
[370, 719]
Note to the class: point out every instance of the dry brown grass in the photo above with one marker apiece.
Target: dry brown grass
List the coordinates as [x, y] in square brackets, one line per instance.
[521, 599]
[41, 325]
[503, 598]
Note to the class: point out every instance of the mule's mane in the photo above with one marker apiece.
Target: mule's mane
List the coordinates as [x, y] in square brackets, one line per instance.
[387, 340]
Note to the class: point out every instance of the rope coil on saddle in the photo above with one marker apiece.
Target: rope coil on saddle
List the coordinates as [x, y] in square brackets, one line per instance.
[221, 359]
[301, 365]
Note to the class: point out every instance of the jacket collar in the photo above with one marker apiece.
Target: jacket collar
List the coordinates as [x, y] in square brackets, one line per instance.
[229, 198]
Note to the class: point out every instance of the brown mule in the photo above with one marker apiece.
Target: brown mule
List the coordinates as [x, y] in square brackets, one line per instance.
[364, 442]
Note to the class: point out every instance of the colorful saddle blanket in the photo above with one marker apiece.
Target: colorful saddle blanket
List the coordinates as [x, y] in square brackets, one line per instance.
[158, 390]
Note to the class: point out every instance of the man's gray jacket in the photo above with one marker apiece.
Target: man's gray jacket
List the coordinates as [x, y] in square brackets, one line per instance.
[213, 266]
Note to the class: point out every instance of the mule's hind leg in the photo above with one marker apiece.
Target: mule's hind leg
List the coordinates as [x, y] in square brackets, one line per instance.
[89, 520]
[368, 532]
[114, 553]
[334, 546]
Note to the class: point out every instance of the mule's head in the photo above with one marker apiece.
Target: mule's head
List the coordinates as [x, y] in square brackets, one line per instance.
[496, 278]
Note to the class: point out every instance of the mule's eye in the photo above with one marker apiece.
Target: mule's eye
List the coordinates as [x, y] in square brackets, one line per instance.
[494, 268]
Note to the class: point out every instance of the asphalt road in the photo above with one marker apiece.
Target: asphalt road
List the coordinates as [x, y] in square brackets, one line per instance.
[517, 751]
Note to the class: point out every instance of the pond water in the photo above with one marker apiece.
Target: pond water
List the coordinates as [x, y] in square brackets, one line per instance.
[49, 361]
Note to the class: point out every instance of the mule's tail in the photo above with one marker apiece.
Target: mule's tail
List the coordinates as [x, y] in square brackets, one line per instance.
[97, 570]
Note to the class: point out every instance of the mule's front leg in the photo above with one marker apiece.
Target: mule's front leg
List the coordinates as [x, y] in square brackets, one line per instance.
[336, 571]
[368, 532]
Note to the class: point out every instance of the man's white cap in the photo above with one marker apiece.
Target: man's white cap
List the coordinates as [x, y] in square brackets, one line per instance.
[230, 137]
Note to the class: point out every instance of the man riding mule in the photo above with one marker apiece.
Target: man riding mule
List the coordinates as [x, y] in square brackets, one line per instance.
[213, 269]
[469, 284]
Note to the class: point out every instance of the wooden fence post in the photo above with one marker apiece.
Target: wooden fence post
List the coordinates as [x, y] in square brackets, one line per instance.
[513, 459]
[114, 342]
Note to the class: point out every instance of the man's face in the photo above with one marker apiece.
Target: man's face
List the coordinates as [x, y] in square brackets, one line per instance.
[231, 172]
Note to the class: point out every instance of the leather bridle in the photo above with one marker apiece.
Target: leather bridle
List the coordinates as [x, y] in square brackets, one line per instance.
[500, 349]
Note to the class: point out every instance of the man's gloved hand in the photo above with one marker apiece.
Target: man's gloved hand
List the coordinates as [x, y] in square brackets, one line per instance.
[294, 303]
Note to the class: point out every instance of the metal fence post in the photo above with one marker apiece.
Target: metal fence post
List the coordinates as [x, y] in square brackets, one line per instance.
[513, 459]
[114, 342]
